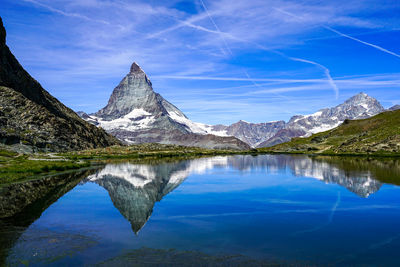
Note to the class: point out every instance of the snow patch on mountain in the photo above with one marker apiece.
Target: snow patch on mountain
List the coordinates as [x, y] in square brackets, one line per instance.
[195, 127]
[135, 120]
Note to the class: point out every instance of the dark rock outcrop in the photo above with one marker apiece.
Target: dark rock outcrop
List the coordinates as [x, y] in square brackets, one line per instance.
[31, 118]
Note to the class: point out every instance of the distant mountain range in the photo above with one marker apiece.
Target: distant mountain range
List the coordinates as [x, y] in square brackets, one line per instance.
[271, 133]
[33, 120]
[378, 134]
[359, 106]
[136, 114]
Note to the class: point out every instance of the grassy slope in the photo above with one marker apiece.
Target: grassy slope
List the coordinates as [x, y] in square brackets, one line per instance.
[379, 135]
[16, 167]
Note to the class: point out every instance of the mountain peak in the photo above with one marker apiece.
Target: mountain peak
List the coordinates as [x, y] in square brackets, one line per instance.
[395, 107]
[136, 68]
[362, 94]
[135, 91]
[362, 98]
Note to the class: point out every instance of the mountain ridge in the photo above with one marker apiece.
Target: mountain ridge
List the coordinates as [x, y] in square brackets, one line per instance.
[359, 106]
[377, 135]
[254, 134]
[31, 119]
[137, 114]
[275, 132]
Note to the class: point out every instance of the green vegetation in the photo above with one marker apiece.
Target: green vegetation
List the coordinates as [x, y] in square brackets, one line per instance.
[377, 136]
[16, 167]
[385, 170]
[147, 151]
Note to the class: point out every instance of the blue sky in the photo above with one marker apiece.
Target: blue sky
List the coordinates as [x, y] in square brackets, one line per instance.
[218, 61]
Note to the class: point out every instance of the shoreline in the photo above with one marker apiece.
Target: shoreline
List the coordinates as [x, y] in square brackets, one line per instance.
[22, 167]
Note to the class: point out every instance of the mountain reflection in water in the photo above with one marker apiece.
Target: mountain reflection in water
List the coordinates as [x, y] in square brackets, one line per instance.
[135, 188]
[217, 188]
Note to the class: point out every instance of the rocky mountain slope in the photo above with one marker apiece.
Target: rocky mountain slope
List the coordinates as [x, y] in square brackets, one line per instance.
[276, 132]
[137, 114]
[31, 119]
[395, 107]
[251, 133]
[379, 135]
[357, 107]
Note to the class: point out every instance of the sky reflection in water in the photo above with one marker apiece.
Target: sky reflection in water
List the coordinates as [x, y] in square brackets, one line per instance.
[276, 207]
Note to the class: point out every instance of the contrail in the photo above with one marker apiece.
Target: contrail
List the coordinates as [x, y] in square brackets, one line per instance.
[230, 51]
[342, 34]
[189, 23]
[326, 70]
[371, 247]
[216, 26]
[363, 42]
[334, 208]
[330, 218]
[384, 242]
[67, 14]
[259, 86]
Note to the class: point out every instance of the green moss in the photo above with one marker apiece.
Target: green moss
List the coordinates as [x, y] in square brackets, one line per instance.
[7, 153]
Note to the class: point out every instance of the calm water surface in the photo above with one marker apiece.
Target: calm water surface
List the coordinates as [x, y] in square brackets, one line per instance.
[223, 211]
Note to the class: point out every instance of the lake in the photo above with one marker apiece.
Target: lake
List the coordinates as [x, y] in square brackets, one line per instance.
[247, 210]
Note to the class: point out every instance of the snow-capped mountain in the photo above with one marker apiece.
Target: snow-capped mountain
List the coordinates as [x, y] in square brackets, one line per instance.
[395, 107]
[360, 106]
[271, 133]
[137, 114]
[251, 133]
